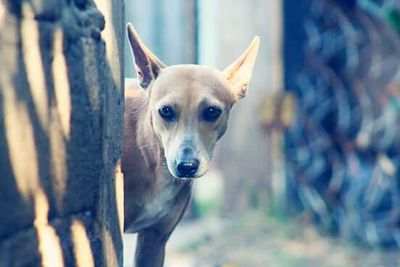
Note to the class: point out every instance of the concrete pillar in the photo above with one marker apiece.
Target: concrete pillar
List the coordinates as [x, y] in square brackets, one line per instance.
[61, 112]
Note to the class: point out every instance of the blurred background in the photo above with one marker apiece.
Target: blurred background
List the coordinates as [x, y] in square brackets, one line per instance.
[308, 171]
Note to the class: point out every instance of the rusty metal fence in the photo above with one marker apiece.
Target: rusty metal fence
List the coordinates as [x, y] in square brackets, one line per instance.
[342, 151]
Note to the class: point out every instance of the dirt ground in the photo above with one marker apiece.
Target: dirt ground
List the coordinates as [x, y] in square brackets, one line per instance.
[257, 240]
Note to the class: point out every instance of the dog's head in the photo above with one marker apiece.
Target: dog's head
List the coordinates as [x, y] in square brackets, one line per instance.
[189, 104]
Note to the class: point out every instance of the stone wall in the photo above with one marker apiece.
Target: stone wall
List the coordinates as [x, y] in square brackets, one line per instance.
[61, 112]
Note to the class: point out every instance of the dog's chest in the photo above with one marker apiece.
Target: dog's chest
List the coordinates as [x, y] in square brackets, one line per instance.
[156, 206]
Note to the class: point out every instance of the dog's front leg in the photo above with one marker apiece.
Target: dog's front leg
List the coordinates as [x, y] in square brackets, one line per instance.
[150, 250]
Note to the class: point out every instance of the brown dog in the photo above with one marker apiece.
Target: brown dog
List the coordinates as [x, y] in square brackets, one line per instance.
[171, 128]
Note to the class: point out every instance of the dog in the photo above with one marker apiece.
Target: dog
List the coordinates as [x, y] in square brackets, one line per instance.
[174, 116]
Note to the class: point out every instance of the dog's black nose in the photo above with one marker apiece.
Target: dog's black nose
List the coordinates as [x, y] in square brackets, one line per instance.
[187, 168]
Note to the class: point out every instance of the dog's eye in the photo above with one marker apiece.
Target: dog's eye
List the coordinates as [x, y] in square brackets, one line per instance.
[211, 113]
[167, 113]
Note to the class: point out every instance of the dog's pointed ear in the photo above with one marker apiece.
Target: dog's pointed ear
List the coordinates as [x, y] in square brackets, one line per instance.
[147, 65]
[239, 72]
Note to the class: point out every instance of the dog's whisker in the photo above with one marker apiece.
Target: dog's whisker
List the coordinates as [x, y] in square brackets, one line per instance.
[147, 145]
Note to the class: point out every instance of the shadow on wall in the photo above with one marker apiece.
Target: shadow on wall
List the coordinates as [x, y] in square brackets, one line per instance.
[57, 161]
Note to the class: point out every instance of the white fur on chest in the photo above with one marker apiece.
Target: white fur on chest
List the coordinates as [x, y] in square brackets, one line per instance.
[159, 205]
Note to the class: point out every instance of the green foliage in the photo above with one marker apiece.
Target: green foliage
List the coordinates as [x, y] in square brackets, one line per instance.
[393, 17]
[387, 11]
[203, 208]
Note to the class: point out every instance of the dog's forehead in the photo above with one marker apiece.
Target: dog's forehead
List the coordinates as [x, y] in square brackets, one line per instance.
[190, 81]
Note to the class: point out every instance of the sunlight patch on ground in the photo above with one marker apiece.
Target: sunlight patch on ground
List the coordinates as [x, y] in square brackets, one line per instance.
[258, 240]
